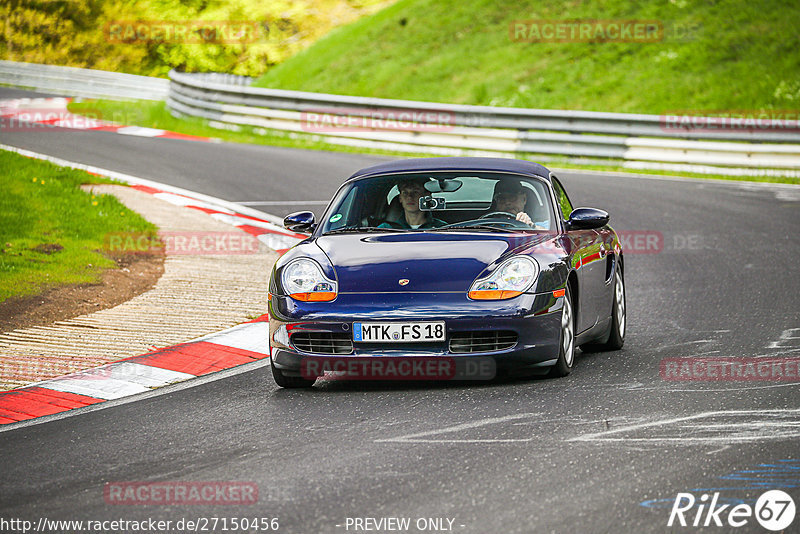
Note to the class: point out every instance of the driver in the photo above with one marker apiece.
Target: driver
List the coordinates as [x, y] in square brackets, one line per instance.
[411, 191]
[509, 196]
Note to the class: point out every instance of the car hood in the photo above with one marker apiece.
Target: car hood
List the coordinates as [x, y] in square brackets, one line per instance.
[431, 262]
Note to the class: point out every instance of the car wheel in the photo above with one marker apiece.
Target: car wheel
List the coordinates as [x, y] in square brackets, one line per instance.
[619, 320]
[566, 346]
[290, 381]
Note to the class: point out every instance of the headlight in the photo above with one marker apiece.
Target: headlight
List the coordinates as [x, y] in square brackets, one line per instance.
[303, 280]
[510, 279]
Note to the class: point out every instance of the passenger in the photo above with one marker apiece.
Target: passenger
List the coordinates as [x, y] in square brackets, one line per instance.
[411, 191]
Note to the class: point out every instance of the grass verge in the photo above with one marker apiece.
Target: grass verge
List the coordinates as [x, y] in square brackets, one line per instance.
[155, 115]
[727, 55]
[51, 231]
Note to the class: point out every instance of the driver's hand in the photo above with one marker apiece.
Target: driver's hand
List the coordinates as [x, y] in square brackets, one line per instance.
[523, 217]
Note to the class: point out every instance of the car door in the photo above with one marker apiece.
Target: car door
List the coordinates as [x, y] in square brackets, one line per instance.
[605, 295]
[588, 260]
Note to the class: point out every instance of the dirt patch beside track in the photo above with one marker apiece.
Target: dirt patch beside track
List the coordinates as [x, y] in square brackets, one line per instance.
[134, 275]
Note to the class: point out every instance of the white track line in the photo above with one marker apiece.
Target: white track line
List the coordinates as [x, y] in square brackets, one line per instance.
[419, 437]
[604, 436]
[218, 203]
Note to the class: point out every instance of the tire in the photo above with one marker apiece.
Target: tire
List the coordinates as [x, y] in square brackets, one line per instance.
[291, 382]
[566, 345]
[619, 314]
[619, 320]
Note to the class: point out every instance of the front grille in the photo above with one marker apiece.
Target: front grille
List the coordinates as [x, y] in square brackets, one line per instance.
[482, 341]
[323, 342]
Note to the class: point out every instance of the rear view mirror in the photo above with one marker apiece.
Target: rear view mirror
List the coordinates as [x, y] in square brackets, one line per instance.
[302, 221]
[443, 185]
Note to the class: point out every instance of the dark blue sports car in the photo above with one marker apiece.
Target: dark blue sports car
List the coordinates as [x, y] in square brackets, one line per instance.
[445, 268]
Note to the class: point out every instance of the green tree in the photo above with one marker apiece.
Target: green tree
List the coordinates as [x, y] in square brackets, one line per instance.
[77, 32]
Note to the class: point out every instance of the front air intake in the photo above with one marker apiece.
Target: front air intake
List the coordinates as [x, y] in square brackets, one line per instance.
[482, 341]
[323, 342]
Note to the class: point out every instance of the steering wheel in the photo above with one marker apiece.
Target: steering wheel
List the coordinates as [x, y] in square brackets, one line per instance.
[499, 214]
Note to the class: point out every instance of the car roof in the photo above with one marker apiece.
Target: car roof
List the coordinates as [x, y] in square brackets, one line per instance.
[515, 166]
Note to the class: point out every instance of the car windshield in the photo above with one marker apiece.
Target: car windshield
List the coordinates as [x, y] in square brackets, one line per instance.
[441, 202]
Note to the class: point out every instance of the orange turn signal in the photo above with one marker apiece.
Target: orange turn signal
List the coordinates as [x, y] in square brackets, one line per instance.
[314, 296]
[493, 294]
[559, 292]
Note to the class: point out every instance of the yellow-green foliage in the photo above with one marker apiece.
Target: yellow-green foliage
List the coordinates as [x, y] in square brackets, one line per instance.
[75, 32]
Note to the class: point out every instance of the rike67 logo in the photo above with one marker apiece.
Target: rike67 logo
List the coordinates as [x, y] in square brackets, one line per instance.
[774, 510]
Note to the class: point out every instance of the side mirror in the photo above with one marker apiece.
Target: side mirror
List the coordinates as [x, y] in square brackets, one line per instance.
[587, 219]
[302, 221]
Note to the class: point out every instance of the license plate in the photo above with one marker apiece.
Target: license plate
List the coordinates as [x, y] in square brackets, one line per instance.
[398, 332]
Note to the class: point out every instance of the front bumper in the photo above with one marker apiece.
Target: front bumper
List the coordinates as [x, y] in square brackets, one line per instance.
[534, 318]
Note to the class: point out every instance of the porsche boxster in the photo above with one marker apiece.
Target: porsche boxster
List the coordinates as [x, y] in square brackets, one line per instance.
[419, 267]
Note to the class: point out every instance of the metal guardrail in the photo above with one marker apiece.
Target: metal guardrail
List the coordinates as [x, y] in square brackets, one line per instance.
[634, 140]
[228, 102]
[71, 81]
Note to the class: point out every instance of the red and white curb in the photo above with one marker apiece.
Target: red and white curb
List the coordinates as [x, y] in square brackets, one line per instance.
[272, 235]
[29, 114]
[243, 344]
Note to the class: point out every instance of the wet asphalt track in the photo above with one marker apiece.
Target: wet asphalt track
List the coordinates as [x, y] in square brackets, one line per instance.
[603, 450]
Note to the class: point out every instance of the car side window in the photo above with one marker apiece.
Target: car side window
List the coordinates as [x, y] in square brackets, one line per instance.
[393, 192]
[564, 205]
[346, 213]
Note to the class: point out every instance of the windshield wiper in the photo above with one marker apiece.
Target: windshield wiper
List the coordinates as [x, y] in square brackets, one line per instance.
[362, 229]
[480, 227]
